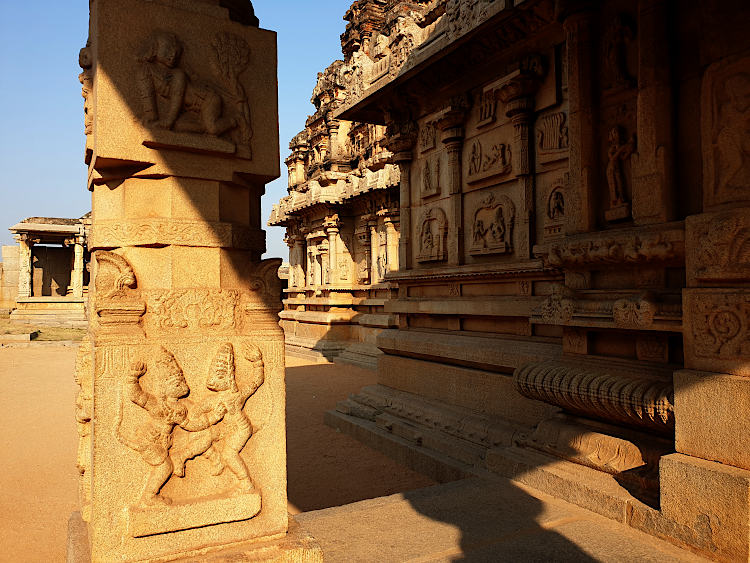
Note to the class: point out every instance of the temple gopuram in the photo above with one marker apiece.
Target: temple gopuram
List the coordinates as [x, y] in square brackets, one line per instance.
[571, 296]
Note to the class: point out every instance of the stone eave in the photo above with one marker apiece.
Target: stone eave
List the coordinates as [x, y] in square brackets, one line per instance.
[49, 229]
[423, 57]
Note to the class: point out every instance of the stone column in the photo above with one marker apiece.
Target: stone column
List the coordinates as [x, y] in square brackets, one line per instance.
[333, 135]
[332, 230]
[400, 139]
[584, 158]
[183, 332]
[291, 243]
[392, 242]
[25, 245]
[652, 164]
[453, 138]
[374, 251]
[518, 97]
[77, 274]
[299, 252]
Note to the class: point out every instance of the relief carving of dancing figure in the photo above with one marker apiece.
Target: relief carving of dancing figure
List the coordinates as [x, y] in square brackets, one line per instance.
[223, 443]
[168, 92]
[618, 152]
[153, 439]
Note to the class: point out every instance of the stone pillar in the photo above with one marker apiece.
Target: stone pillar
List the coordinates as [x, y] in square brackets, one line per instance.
[518, 97]
[453, 139]
[77, 274]
[25, 245]
[291, 243]
[333, 135]
[400, 138]
[374, 251]
[332, 230]
[310, 270]
[299, 267]
[584, 156]
[184, 344]
[363, 236]
[652, 164]
[392, 242]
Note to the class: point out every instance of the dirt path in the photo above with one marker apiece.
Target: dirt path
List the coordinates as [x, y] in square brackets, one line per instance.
[38, 447]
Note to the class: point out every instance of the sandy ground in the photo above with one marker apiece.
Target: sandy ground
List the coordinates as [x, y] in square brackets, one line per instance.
[38, 446]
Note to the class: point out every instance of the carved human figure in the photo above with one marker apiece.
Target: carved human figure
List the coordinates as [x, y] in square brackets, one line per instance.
[153, 440]
[475, 160]
[222, 444]
[162, 77]
[617, 153]
[427, 242]
[556, 205]
[733, 135]
[86, 78]
[619, 34]
[427, 178]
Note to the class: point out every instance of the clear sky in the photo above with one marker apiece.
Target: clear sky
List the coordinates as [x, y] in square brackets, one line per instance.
[41, 133]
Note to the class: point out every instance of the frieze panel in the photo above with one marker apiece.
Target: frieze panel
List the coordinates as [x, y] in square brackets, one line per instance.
[183, 108]
[717, 332]
[720, 246]
[433, 236]
[725, 131]
[492, 227]
[193, 309]
[489, 162]
[552, 137]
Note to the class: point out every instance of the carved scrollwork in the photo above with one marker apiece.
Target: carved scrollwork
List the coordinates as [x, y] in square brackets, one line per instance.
[559, 307]
[723, 246]
[117, 299]
[631, 249]
[720, 325]
[635, 313]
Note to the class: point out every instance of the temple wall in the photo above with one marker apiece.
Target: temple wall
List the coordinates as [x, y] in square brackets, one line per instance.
[51, 271]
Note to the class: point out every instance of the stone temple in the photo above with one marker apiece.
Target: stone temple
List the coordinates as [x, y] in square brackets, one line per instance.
[570, 303]
[531, 217]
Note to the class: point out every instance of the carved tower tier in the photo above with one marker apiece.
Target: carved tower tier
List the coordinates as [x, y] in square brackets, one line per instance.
[182, 407]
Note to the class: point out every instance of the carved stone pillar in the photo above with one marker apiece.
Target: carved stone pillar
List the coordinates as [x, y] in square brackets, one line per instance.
[333, 232]
[374, 252]
[453, 138]
[292, 244]
[333, 135]
[392, 243]
[76, 280]
[651, 165]
[364, 270]
[518, 97]
[583, 139]
[25, 245]
[400, 139]
[182, 305]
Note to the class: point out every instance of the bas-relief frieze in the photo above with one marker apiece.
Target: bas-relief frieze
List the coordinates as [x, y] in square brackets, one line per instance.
[717, 335]
[488, 160]
[433, 236]
[725, 131]
[720, 246]
[552, 137]
[175, 99]
[492, 225]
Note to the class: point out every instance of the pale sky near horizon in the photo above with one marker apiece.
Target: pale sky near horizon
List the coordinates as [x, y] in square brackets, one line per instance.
[41, 141]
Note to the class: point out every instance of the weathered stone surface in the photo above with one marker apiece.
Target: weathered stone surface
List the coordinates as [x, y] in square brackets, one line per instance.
[710, 498]
[708, 425]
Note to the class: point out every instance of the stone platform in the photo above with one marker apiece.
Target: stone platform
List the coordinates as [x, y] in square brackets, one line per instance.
[67, 312]
[478, 520]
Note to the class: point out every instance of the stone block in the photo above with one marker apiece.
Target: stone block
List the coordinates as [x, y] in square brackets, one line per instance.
[711, 419]
[710, 498]
[716, 249]
[223, 64]
[717, 330]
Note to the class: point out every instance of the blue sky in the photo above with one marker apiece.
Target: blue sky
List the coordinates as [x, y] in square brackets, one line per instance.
[41, 137]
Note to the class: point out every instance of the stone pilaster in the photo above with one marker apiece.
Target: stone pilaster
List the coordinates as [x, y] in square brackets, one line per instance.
[374, 251]
[583, 139]
[25, 245]
[453, 139]
[332, 230]
[392, 244]
[77, 274]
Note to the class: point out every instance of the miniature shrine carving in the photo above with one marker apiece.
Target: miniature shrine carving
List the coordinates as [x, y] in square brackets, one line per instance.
[492, 229]
[433, 236]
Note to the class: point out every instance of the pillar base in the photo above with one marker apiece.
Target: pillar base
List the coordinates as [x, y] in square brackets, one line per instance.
[296, 547]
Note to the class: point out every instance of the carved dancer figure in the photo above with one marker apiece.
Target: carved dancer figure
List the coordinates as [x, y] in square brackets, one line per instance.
[153, 440]
[617, 153]
[162, 77]
[236, 428]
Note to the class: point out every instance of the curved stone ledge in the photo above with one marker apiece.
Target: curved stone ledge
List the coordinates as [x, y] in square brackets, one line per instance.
[636, 401]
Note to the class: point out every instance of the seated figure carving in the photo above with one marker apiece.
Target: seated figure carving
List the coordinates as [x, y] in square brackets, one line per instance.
[168, 92]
